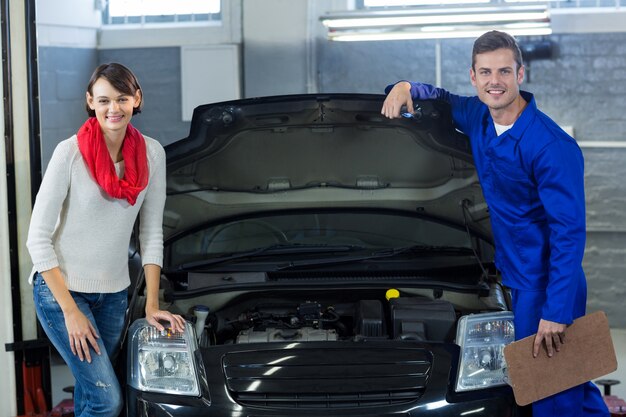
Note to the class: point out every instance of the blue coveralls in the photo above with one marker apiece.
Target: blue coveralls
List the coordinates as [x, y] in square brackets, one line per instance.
[532, 180]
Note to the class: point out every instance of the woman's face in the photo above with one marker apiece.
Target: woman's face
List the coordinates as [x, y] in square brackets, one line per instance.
[113, 108]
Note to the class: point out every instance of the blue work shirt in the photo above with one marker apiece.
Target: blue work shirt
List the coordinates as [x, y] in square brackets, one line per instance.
[532, 180]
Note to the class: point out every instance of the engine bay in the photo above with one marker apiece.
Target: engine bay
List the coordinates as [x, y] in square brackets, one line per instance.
[254, 319]
[310, 312]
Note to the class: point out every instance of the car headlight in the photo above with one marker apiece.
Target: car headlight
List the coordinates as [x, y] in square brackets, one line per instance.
[162, 361]
[482, 338]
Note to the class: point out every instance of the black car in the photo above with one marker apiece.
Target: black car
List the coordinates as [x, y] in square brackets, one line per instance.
[330, 262]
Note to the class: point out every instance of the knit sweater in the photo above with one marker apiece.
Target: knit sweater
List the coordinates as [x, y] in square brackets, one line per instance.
[85, 232]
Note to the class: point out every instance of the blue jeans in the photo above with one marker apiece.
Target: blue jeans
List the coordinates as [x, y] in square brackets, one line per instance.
[97, 391]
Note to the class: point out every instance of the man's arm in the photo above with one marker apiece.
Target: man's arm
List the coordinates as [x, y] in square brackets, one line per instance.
[398, 96]
[403, 93]
[559, 173]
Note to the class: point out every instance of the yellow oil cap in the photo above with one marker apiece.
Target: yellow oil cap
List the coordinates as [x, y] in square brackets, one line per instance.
[392, 293]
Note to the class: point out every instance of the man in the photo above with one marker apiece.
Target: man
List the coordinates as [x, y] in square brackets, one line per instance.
[531, 173]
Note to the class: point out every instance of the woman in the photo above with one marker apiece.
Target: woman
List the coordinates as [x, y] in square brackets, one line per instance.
[96, 184]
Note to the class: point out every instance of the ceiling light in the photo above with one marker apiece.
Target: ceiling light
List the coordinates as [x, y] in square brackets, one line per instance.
[437, 23]
[432, 33]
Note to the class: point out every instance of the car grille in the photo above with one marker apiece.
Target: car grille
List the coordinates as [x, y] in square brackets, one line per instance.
[351, 377]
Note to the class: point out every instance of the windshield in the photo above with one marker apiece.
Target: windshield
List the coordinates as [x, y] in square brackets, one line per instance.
[372, 231]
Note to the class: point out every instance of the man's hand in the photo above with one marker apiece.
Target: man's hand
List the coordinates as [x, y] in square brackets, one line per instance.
[400, 95]
[554, 335]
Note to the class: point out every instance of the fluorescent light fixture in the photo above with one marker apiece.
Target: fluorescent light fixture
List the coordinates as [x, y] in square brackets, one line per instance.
[432, 33]
[429, 23]
[435, 19]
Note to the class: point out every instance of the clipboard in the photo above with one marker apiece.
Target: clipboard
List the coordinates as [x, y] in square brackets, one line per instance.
[587, 353]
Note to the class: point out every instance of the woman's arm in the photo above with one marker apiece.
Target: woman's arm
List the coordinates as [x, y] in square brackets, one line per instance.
[80, 330]
[153, 311]
[48, 204]
[151, 241]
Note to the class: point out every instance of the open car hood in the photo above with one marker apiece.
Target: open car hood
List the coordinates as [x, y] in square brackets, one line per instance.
[320, 151]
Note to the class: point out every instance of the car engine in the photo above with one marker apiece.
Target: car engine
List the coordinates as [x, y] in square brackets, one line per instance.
[280, 320]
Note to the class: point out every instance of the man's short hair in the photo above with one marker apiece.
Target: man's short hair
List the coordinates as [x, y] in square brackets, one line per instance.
[493, 40]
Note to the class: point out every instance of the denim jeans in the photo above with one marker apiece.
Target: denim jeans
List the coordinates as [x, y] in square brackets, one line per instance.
[97, 391]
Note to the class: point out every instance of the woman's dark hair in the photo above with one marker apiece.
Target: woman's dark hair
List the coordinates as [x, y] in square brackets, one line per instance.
[121, 78]
[494, 40]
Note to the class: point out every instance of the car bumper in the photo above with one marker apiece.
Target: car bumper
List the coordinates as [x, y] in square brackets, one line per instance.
[493, 402]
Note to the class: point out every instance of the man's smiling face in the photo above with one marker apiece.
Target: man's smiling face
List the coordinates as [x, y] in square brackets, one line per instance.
[497, 78]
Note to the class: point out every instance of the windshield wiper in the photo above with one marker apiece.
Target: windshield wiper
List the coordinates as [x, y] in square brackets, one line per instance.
[279, 248]
[320, 184]
[383, 253]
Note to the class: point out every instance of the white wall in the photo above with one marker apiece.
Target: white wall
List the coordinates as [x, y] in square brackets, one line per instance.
[134, 36]
[588, 20]
[68, 13]
[78, 23]
[71, 23]
[277, 47]
[280, 39]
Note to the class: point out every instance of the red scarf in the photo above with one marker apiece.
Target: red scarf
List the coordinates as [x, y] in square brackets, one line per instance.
[95, 153]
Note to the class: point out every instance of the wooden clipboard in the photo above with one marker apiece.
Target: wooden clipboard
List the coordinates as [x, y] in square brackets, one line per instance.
[587, 353]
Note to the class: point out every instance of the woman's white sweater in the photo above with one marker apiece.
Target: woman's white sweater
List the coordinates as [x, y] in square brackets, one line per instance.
[85, 232]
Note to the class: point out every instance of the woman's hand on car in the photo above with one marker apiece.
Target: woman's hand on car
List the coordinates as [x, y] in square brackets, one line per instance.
[154, 316]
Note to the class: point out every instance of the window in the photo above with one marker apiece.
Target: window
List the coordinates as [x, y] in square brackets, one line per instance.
[381, 4]
[412, 3]
[144, 12]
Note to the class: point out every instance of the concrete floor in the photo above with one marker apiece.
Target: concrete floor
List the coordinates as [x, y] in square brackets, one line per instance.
[619, 342]
[61, 377]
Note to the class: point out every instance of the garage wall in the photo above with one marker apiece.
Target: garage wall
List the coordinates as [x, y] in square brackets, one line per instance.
[275, 47]
[63, 76]
[66, 56]
[158, 71]
[71, 45]
[584, 87]
[606, 230]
